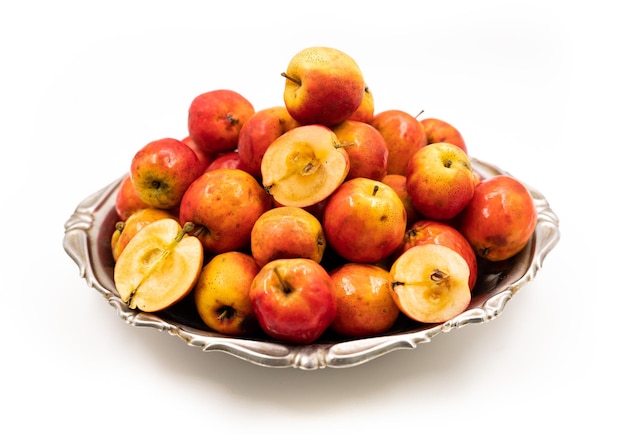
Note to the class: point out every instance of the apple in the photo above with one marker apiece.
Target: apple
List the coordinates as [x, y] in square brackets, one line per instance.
[365, 306]
[425, 231]
[398, 183]
[429, 283]
[404, 135]
[323, 85]
[224, 204]
[500, 218]
[367, 149]
[287, 232]
[304, 166]
[256, 135]
[365, 111]
[162, 170]
[364, 220]
[127, 201]
[438, 130]
[159, 267]
[294, 299]
[205, 158]
[215, 119]
[126, 230]
[228, 159]
[221, 294]
[440, 180]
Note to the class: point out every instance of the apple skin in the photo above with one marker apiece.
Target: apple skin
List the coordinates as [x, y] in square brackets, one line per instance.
[294, 300]
[224, 204]
[398, 183]
[440, 180]
[162, 170]
[365, 306]
[366, 148]
[127, 201]
[365, 111]
[404, 135]
[323, 85]
[256, 135]
[438, 130]
[500, 218]
[430, 231]
[287, 232]
[205, 159]
[215, 119]
[364, 220]
[228, 159]
[222, 293]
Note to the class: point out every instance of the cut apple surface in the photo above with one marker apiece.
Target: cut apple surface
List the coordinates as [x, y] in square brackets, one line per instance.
[159, 266]
[304, 166]
[429, 283]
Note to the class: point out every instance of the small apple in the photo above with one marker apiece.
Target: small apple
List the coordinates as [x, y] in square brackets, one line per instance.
[440, 180]
[304, 166]
[224, 204]
[256, 135]
[438, 130]
[294, 299]
[222, 292]
[126, 230]
[398, 183]
[127, 201]
[404, 135]
[159, 266]
[162, 170]
[429, 283]
[365, 111]
[364, 220]
[365, 306]
[367, 149]
[287, 232]
[500, 218]
[215, 119]
[228, 159]
[425, 231]
[323, 85]
[205, 158]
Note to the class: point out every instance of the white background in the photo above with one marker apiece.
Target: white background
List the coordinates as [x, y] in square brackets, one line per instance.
[536, 87]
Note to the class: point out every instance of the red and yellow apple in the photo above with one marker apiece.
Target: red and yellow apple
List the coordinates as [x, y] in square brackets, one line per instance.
[366, 148]
[438, 130]
[365, 111]
[228, 159]
[294, 300]
[127, 201]
[398, 183]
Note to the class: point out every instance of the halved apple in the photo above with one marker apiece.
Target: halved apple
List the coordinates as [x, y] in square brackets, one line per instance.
[304, 165]
[159, 266]
[429, 283]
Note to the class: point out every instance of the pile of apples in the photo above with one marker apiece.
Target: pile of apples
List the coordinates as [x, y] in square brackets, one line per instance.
[316, 215]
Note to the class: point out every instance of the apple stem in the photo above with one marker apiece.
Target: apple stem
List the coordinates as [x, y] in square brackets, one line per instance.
[298, 82]
[375, 190]
[187, 228]
[420, 112]
[285, 286]
[119, 226]
[225, 313]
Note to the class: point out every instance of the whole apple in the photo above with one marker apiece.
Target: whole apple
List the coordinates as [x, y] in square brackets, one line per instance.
[440, 180]
[364, 220]
[365, 111]
[224, 204]
[366, 148]
[127, 201]
[398, 183]
[294, 299]
[230, 159]
[500, 218]
[323, 85]
[215, 119]
[438, 130]
[162, 170]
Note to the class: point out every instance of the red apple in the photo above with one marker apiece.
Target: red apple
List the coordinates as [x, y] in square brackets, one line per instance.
[162, 170]
[229, 159]
[366, 148]
[294, 299]
[438, 130]
[127, 201]
[215, 119]
[205, 158]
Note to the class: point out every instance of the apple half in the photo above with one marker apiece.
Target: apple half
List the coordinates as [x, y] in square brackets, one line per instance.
[159, 266]
[429, 283]
[304, 166]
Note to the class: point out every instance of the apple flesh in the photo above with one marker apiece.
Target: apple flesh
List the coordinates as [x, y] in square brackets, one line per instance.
[304, 166]
[159, 267]
[429, 283]
[222, 292]
[500, 218]
[294, 300]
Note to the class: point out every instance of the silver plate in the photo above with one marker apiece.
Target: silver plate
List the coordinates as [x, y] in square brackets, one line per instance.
[87, 241]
